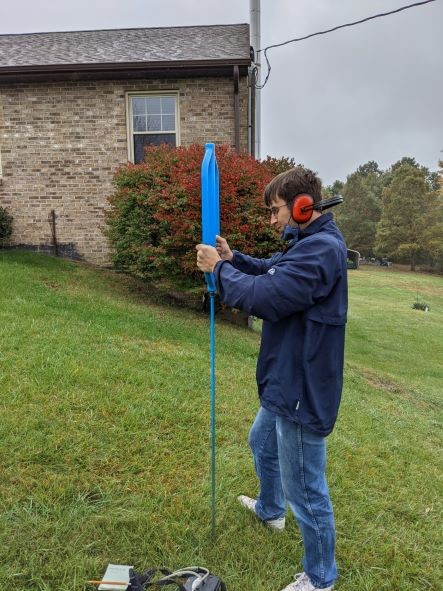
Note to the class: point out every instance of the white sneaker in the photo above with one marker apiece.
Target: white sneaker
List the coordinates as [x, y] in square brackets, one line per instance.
[277, 524]
[302, 583]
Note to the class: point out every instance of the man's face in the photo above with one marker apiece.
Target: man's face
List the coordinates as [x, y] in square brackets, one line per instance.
[280, 214]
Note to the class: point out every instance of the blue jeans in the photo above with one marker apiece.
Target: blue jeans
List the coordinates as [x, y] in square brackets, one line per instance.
[290, 463]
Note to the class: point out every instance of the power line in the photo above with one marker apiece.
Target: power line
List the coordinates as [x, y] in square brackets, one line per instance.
[364, 20]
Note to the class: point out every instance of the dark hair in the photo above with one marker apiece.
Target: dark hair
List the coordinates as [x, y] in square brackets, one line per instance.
[287, 185]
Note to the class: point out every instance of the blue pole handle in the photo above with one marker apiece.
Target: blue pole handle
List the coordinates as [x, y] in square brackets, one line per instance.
[210, 205]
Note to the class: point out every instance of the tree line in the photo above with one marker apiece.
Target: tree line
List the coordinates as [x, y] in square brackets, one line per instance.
[395, 213]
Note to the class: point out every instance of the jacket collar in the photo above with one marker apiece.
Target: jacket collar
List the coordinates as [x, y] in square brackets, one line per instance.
[290, 233]
[293, 234]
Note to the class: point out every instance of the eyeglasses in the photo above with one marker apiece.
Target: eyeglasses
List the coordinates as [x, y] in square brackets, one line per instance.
[274, 210]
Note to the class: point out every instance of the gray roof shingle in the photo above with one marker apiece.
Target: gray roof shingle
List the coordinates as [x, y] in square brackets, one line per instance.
[169, 44]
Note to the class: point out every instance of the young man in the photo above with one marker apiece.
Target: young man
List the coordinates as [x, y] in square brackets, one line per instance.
[301, 295]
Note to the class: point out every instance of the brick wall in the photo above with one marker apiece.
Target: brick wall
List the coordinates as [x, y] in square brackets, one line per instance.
[60, 143]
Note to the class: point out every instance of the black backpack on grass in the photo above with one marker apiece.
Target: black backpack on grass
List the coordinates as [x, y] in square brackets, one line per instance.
[157, 578]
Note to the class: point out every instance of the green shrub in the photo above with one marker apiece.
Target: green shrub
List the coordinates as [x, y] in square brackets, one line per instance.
[421, 306]
[155, 220]
[5, 226]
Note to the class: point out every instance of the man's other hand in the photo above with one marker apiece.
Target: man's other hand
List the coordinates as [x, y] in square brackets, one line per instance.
[223, 249]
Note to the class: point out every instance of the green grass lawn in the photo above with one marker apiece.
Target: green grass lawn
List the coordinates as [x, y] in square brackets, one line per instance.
[104, 433]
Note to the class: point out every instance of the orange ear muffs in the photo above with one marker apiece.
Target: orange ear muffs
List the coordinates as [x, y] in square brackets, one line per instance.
[302, 208]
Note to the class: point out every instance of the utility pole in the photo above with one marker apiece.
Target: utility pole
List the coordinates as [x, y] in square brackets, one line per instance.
[254, 11]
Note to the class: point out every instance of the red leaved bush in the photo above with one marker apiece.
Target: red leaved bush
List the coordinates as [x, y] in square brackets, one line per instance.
[155, 221]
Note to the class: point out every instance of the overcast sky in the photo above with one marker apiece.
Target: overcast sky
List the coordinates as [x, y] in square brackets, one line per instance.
[371, 92]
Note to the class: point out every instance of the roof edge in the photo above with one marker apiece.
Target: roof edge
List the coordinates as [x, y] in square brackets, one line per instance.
[74, 72]
[118, 66]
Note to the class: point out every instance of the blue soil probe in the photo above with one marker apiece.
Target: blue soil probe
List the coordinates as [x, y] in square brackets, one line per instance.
[210, 228]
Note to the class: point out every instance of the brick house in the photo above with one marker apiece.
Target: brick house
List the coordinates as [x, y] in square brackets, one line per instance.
[76, 105]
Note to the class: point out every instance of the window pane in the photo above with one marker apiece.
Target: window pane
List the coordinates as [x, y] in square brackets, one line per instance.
[139, 123]
[168, 105]
[138, 106]
[168, 122]
[153, 105]
[140, 141]
[153, 123]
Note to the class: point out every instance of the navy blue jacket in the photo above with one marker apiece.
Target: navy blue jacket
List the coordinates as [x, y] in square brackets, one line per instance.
[301, 294]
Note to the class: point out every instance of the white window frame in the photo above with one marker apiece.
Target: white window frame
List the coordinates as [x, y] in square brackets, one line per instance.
[129, 118]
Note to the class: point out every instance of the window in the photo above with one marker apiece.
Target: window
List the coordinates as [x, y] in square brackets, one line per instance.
[152, 121]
